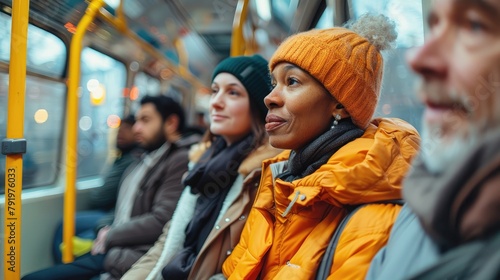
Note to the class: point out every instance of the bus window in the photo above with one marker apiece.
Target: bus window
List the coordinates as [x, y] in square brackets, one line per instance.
[44, 103]
[144, 84]
[46, 53]
[103, 80]
[326, 19]
[398, 86]
[44, 115]
[406, 14]
[284, 12]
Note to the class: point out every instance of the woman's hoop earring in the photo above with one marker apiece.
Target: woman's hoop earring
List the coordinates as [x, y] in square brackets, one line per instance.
[336, 121]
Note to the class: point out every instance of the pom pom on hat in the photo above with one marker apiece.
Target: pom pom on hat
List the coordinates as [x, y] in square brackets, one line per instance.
[349, 65]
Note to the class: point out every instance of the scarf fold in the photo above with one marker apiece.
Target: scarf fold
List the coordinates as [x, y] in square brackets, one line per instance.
[308, 159]
[212, 178]
[448, 203]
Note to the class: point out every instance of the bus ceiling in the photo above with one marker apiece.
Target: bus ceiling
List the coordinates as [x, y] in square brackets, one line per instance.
[205, 27]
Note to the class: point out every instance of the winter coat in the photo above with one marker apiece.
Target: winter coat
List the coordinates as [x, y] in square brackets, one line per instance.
[104, 197]
[415, 250]
[223, 237]
[291, 223]
[153, 207]
[449, 228]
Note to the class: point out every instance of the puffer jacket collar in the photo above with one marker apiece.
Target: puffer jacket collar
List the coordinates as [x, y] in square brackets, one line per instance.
[362, 171]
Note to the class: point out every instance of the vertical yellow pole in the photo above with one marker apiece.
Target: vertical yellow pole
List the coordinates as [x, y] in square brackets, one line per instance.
[121, 22]
[14, 146]
[183, 57]
[72, 128]
[237, 38]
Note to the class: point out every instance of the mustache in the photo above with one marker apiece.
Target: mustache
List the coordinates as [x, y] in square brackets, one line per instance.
[480, 104]
[436, 94]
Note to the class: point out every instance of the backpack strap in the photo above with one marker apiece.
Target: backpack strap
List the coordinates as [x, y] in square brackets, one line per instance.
[326, 263]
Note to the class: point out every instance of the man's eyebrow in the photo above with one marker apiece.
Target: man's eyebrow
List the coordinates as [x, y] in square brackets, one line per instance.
[487, 7]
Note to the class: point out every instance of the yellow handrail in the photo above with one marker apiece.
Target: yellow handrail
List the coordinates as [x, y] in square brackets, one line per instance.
[183, 56]
[72, 131]
[237, 38]
[122, 20]
[14, 146]
[120, 24]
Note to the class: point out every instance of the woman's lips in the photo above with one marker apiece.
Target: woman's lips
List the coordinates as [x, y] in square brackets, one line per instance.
[218, 117]
[273, 122]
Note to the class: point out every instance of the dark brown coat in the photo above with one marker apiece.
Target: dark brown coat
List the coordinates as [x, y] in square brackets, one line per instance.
[153, 207]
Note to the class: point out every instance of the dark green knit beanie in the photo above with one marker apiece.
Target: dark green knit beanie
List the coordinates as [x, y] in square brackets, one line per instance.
[253, 73]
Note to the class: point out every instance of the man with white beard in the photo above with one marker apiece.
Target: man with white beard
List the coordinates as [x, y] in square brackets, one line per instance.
[450, 226]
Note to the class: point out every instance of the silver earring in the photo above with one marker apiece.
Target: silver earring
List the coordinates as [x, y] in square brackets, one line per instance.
[336, 121]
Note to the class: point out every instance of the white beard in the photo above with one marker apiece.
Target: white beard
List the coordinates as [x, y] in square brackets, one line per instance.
[438, 153]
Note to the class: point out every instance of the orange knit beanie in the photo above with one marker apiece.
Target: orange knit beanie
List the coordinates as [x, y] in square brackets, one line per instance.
[347, 64]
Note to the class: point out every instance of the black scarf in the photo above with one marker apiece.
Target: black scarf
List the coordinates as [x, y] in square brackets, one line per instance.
[309, 158]
[212, 178]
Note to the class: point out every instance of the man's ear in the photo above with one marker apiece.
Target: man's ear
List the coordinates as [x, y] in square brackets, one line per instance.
[171, 125]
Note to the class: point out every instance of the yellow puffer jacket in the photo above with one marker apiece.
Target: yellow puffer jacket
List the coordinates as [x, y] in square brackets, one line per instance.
[281, 243]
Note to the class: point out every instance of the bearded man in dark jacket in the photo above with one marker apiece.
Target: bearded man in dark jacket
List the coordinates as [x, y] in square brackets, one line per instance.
[147, 196]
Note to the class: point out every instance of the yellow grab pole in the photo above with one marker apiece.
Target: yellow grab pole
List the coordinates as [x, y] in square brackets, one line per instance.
[14, 145]
[122, 20]
[121, 26]
[183, 56]
[72, 129]
[237, 38]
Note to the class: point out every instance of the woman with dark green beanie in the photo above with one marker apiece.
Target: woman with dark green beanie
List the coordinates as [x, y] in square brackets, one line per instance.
[221, 186]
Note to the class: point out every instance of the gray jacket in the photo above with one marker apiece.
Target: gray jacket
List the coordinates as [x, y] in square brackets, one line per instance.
[449, 228]
[408, 250]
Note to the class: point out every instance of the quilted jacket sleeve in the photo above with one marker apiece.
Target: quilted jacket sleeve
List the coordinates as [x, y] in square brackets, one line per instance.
[364, 235]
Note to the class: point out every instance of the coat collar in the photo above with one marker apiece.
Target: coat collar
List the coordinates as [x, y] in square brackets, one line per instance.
[462, 203]
[370, 168]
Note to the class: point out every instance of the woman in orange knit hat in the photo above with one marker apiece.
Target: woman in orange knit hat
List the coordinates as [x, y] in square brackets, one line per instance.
[326, 87]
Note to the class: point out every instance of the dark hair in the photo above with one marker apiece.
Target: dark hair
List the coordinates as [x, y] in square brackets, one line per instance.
[167, 106]
[130, 119]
